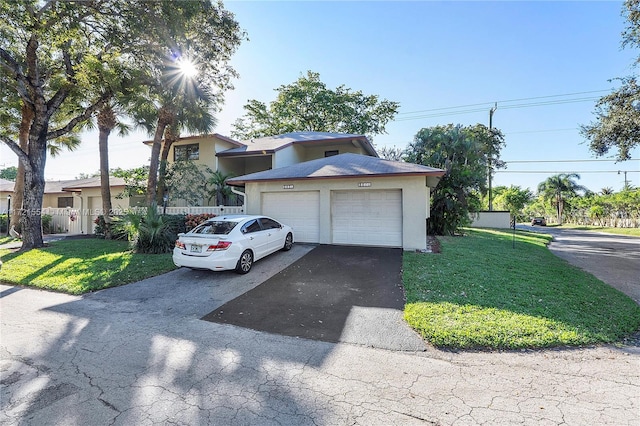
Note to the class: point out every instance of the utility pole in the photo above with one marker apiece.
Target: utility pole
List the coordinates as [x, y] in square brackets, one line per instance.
[625, 178]
[491, 111]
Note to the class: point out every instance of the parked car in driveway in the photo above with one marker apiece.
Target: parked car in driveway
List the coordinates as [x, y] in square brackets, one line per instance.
[538, 221]
[231, 242]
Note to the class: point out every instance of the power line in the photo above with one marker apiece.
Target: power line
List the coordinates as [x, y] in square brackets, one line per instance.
[522, 105]
[566, 161]
[506, 101]
[565, 171]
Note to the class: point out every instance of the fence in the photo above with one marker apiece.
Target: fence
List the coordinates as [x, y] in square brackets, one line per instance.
[74, 221]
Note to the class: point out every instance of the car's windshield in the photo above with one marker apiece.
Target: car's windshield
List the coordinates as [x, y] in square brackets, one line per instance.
[217, 227]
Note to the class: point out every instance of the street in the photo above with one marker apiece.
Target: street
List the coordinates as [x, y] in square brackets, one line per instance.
[614, 259]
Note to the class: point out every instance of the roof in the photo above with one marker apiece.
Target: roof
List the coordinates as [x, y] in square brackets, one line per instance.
[271, 144]
[6, 185]
[79, 184]
[205, 136]
[339, 166]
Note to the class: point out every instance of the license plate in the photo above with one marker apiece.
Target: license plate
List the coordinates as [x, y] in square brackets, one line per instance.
[195, 248]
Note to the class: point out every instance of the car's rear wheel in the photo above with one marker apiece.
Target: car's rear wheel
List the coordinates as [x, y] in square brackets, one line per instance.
[288, 242]
[245, 262]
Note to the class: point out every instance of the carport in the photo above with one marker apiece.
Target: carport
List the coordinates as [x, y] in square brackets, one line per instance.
[346, 199]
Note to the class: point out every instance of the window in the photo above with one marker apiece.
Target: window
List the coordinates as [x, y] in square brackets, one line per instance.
[269, 223]
[252, 226]
[64, 202]
[215, 228]
[331, 153]
[186, 152]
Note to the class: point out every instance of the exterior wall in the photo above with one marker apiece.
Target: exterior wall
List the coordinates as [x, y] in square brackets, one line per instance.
[293, 154]
[89, 206]
[315, 152]
[208, 148]
[415, 202]
[491, 219]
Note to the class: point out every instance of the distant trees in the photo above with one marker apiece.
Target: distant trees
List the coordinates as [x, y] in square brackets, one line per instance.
[9, 173]
[308, 104]
[617, 122]
[463, 152]
[558, 189]
[512, 198]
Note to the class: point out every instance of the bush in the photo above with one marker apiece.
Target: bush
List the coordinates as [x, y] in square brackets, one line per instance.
[3, 223]
[177, 223]
[47, 221]
[118, 228]
[193, 220]
[154, 234]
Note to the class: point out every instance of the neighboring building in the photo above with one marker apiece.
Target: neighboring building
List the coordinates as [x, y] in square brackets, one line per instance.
[80, 196]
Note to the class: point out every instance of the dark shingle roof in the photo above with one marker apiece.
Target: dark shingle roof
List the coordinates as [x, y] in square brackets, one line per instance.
[339, 166]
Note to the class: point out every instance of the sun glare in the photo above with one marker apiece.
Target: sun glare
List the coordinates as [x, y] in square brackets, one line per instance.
[188, 68]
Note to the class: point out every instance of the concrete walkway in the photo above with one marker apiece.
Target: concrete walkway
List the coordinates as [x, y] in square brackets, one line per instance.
[130, 355]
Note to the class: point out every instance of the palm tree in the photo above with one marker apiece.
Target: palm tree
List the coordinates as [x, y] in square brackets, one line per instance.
[557, 189]
[606, 191]
[220, 190]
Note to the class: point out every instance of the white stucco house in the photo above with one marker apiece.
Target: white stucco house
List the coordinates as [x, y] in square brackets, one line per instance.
[350, 199]
[332, 188]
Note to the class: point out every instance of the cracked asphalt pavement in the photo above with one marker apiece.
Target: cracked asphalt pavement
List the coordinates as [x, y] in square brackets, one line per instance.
[139, 354]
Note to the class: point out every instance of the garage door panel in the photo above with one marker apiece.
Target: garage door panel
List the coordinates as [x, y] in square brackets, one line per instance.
[300, 210]
[368, 217]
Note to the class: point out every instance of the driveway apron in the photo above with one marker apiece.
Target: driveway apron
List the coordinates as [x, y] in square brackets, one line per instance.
[333, 294]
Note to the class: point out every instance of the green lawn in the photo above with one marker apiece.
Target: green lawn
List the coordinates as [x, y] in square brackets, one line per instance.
[79, 266]
[481, 293]
[635, 232]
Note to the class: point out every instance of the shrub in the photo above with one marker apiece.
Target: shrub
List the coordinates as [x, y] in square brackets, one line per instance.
[47, 221]
[154, 234]
[118, 228]
[3, 223]
[193, 220]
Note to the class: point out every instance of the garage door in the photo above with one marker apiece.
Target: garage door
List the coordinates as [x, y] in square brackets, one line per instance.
[372, 218]
[300, 210]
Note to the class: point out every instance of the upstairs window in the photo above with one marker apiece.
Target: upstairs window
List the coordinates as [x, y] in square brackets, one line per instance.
[186, 152]
[64, 202]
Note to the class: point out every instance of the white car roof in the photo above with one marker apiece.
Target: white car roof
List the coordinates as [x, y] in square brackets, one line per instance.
[233, 217]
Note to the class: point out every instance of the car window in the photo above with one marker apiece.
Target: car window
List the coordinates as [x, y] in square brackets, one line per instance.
[217, 228]
[251, 226]
[269, 223]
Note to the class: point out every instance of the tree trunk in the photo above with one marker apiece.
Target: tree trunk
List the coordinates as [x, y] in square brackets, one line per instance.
[164, 118]
[18, 188]
[170, 136]
[31, 219]
[106, 123]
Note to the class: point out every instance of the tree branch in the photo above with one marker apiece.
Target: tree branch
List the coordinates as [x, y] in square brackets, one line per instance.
[16, 149]
[80, 118]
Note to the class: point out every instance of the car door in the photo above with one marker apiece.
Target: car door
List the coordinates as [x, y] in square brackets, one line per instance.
[274, 233]
[256, 238]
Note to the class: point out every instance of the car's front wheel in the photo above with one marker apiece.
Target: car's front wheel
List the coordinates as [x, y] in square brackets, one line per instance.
[288, 242]
[245, 262]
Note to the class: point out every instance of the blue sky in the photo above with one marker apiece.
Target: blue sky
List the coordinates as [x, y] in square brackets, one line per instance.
[429, 56]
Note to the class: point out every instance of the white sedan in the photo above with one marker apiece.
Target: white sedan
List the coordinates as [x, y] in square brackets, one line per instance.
[231, 242]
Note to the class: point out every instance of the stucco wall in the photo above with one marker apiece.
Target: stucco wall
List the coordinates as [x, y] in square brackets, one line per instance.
[491, 219]
[415, 202]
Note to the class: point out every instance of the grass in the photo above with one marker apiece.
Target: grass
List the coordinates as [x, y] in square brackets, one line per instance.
[483, 293]
[634, 232]
[77, 266]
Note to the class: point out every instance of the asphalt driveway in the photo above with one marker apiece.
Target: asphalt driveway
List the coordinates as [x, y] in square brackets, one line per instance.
[333, 294]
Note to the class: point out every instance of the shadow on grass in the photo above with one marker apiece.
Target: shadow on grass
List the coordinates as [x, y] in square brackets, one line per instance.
[81, 266]
[484, 292]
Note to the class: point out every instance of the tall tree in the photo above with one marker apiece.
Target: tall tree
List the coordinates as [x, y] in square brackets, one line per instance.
[194, 74]
[308, 105]
[513, 199]
[617, 115]
[557, 189]
[50, 53]
[462, 153]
